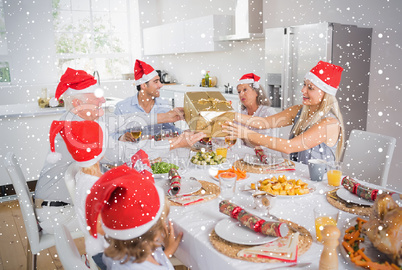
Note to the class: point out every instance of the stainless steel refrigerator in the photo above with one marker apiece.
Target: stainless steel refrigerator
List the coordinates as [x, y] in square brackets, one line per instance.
[292, 51]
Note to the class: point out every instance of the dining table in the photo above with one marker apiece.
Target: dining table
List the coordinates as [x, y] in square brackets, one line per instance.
[198, 220]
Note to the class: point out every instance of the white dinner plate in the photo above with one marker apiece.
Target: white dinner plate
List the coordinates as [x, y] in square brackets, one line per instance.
[213, 171]
[186, 187]
[247, 187]
[346, 195]
[231, 230]
[161, 175]
[254, 160]
[369, 249]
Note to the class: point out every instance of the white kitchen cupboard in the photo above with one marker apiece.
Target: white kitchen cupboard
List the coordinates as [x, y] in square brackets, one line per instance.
[193, 35]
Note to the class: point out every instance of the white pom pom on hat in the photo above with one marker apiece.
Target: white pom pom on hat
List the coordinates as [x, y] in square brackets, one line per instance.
[53, 157]
[53, 102]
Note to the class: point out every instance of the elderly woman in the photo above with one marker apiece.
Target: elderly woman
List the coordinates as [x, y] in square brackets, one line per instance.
[254, 102]
[318, 130]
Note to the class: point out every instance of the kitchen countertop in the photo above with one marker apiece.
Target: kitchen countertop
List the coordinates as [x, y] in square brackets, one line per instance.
[188, 88]
[33, 109]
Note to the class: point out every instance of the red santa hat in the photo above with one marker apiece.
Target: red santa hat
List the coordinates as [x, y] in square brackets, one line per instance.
[250, 78]
[143, 72]
[325, 76]
[76, 82]
[85, 140]
[129, 203]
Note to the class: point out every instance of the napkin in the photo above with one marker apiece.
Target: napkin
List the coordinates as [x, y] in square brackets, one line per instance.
[187, 200]
[283, 249]
[277, 229]
[261, 155]
[175, 182]
[363, 191]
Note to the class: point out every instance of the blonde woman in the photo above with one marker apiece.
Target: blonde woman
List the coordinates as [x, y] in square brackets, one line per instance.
[318, 130]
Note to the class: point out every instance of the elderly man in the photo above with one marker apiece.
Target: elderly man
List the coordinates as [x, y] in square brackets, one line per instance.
[83, 101]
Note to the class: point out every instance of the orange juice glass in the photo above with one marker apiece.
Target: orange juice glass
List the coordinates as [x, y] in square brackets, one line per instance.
[334, 174]
[324, 216]
[222, 151]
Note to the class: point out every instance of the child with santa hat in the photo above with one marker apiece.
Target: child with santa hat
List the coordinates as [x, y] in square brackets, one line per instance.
[131, 212]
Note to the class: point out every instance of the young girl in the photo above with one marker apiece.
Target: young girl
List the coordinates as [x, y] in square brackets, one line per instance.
[127, 207]
[318, 130]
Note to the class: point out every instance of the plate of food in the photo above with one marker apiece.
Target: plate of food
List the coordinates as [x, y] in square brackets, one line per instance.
[231, 230]
[241, 175]
[281, 186]
[207, 158]
[357, 253]
[346, 195]
[161, 169]
[254, 160]
[186, 187]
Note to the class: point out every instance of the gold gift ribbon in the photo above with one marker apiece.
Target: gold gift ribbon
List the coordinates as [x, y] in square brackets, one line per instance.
[214, 102]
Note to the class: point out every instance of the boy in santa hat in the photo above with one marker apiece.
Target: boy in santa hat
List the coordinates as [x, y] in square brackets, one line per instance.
[318, 130]
[131, 212]
[147, 100]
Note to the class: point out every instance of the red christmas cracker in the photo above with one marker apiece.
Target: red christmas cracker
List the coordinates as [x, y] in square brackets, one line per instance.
[261, 155]
[277, 229]
[361, 190]
[175, 182]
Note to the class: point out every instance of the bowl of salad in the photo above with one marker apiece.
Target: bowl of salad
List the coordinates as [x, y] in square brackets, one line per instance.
[161, 169]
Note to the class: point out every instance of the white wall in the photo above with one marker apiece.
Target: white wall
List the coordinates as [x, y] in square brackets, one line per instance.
[386, 65]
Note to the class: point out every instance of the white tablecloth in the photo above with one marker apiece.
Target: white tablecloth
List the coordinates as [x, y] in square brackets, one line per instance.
[198, 220]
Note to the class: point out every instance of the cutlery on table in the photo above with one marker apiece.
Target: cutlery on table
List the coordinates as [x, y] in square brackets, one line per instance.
[295, 265]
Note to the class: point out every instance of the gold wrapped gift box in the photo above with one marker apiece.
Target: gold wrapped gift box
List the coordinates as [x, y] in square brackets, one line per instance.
[206, 111]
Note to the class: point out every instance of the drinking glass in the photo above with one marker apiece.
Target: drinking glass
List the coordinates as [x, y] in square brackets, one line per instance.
[227, 184]
[230, 142]
[324, 216]
[136, 132]
[263, 202]
[219, 146]
[334, 173]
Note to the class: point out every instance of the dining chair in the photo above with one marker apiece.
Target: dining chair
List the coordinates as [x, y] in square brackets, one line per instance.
[69, 179]
[68, 252]
[368, 156]
[37, 240]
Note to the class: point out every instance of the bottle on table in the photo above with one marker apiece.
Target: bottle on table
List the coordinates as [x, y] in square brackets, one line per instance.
[207, 79]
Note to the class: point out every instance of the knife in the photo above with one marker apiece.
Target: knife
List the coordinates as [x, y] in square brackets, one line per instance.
[295, 265]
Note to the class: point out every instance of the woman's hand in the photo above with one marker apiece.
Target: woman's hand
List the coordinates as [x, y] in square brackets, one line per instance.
[171, 242]
[236, 131]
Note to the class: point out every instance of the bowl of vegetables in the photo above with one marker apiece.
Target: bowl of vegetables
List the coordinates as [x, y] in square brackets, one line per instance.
[207, 158]
[161, 169]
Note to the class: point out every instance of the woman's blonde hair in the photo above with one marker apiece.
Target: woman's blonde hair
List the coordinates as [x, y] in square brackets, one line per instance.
[261, 99]
[138, 249]
[328, 104]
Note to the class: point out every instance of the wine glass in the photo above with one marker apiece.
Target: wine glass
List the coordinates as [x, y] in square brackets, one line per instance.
[264, 202]
[230, 142]
[136, 132]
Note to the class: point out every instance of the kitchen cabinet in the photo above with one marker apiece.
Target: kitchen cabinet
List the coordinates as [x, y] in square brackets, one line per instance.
[193, 35]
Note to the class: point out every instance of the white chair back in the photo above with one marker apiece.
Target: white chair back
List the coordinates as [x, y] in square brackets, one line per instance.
[69, 178]
[368, 156]
[68, 251]
[25, 200]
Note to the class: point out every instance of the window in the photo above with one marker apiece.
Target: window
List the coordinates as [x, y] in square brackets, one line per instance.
[4, 67]
[93, 35]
